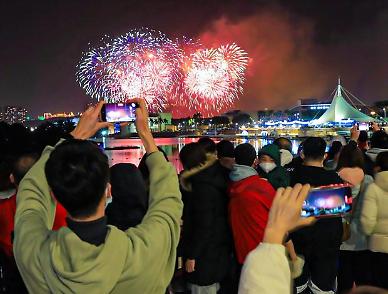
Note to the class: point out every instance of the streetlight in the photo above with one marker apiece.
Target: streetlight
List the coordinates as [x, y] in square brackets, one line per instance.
[385, 113]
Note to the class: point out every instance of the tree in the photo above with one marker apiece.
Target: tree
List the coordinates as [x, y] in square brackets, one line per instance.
[242, 119]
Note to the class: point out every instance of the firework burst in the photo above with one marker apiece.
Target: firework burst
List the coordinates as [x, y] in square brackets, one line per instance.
[214, 78]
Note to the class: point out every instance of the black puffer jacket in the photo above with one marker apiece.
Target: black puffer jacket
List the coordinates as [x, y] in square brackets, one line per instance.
[206, 234]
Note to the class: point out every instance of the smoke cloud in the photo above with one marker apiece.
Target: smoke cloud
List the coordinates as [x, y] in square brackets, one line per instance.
[287, 63]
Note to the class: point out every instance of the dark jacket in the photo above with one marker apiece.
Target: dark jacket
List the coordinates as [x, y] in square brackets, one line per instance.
[278, 177]
[206, 233]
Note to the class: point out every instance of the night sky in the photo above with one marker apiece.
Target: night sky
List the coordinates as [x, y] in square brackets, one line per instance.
[297, 48]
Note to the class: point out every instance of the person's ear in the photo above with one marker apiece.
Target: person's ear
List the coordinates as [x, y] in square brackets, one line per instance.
[325, 156]
[302, 155]
[12, 179]
[108, 191]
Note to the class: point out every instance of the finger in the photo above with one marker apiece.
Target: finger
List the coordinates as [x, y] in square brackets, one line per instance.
[98, 107]
[303, 193]
[295, 192]
[306, 221]
[278, 195]
[103, 124]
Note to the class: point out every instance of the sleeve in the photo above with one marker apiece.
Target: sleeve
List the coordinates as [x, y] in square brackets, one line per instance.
[369, 210]
[157, 237]
[266, 270]
[203, 217]
[34, 216]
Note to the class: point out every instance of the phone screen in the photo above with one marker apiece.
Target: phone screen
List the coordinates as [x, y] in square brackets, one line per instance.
[118, 112]
[363, 127]
[328, 201]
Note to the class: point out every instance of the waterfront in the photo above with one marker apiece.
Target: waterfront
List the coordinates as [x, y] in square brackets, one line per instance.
[171, 146]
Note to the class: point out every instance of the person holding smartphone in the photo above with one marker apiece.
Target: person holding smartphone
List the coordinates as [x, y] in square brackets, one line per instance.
[89, 256]
[320, 243]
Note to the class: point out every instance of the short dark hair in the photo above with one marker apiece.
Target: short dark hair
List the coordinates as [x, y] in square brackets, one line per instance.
[77, 172]
[192, 155]
[382, 160]
[22, 165]
[208, 144]
[379, 139]
[351, 156]
[245, 154]
[225, 148]
[314, 148]
[283, 143]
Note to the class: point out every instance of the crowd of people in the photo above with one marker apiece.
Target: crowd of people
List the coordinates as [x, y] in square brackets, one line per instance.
[230, 222]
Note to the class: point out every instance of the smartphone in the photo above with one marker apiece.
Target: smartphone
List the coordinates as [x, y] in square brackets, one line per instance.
[328, 201]
[118, 112]
[363, 127]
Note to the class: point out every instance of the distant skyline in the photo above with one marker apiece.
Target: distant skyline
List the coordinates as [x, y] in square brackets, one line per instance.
[297, 48]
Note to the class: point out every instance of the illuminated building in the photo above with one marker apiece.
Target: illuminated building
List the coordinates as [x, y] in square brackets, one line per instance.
[13, 114]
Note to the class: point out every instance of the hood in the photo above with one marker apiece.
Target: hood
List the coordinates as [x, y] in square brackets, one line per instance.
[373, 152]
[381, 180]
[72, 266]
[285, 157]
[352, 175]
[240, 172]
[129, 196]
[186, 175]
[271, 150]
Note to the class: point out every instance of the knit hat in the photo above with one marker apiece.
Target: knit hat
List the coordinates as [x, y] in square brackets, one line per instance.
[225, 148]
[130, 198]
[245, 154]
[271, 150]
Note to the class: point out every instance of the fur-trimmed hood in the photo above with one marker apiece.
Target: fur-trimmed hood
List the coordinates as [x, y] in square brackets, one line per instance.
[186, 175]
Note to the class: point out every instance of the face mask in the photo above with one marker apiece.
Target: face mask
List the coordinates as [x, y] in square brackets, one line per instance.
[267, 166]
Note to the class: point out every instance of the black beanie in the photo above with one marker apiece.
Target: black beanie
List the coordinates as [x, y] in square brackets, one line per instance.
[245, 154]
[225, 148]
[129, 196]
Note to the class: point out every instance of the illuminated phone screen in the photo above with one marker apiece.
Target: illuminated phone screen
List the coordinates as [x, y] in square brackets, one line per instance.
[328, 201]
[119, 112]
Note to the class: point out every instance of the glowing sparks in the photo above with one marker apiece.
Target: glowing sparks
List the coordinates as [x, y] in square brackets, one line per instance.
[145, 63]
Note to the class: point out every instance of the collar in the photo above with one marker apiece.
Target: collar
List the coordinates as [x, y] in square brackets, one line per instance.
[93, 232]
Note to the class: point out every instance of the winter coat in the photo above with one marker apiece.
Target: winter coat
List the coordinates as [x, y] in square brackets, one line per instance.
[374, 214]
[250, 201]
[206, 234]
[278, 177]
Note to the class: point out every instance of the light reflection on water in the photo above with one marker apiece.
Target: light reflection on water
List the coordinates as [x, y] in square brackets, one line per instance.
[171, 146]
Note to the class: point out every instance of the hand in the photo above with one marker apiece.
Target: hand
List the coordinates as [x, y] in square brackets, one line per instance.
[284, 215]
[190, 265]
[88, 123]
[354, 133]
[142, 127]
